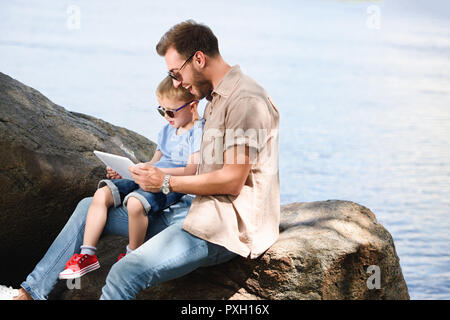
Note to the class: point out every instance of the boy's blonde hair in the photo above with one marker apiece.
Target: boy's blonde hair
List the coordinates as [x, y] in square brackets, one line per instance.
[167, 90]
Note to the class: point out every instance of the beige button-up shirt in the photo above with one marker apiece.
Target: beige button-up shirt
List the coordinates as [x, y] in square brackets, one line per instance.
[241, 113]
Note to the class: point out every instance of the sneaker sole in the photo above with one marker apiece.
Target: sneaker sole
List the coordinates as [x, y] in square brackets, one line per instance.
[81, 272]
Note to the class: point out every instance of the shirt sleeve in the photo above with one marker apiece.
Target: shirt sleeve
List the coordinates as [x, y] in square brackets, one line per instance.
[248, 123]
[159, 142]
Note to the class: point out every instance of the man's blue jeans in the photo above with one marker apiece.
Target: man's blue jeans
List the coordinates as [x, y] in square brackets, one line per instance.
[169, 253]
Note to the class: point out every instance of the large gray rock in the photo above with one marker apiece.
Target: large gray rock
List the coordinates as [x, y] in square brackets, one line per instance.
[47, 166]
[324, 251]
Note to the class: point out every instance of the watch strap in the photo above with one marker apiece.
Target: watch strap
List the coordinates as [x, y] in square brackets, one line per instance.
[166, 181]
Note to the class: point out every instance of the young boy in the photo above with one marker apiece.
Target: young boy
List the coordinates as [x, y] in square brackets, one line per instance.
[177, 153]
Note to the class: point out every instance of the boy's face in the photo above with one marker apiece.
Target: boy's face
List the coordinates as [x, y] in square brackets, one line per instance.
[181, 117]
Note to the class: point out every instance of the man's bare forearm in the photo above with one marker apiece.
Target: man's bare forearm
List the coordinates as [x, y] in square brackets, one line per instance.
[204, 184]
[189, 170]
[228, 180]
[174, 171]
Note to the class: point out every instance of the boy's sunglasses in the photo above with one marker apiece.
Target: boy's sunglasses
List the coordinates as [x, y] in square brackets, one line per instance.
[171, 113]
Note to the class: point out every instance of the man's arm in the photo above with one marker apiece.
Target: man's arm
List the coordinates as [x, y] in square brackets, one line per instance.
[228, 180]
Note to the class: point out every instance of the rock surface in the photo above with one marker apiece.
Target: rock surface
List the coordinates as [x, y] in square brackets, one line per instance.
[324, 251]
[47, 166]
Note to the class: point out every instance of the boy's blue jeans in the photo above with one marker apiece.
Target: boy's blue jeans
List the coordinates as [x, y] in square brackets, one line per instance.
[169, 253]
[153, 203]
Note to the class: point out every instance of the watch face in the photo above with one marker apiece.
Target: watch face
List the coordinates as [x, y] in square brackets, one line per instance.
[165, 190]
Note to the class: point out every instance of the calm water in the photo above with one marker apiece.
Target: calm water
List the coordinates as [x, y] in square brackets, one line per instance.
[364, 95]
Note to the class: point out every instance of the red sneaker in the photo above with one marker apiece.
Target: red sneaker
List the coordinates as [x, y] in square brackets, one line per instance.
[79, 265]
[121, 256]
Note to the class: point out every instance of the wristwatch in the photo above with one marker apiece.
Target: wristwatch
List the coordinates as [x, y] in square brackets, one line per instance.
[165, 188]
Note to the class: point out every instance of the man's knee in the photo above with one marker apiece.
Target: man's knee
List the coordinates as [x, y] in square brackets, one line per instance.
[116, 274]
[82, 207]
[85, 202]
[125, 279]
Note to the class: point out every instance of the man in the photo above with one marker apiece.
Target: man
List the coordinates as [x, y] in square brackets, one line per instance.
[237, 205]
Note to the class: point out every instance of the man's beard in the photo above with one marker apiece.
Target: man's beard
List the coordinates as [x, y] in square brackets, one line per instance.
[202, 86]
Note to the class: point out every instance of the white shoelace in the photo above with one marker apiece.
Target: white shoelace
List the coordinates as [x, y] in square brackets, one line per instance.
[7, 293]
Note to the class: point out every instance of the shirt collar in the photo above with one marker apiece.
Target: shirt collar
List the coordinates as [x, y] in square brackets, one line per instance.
[228, 82]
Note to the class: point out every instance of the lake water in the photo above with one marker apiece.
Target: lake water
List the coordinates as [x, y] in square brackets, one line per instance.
[363, 89]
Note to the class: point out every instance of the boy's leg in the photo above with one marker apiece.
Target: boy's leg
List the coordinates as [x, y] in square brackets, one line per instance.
[96, 216]
[137, 223]
[139, 204]
[79, 265]
[111, 192]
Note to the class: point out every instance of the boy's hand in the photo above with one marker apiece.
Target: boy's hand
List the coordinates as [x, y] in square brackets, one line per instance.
[111, 174]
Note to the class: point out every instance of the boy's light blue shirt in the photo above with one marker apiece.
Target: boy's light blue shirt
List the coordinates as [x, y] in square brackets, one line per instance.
[177, 149]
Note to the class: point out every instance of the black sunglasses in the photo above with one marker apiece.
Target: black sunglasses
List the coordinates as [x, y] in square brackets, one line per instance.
[171, 113]
[173, 75]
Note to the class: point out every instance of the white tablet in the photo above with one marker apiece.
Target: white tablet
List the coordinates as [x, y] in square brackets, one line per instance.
[117, 163]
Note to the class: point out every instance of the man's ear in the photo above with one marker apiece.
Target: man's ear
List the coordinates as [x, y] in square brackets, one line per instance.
[200, 59]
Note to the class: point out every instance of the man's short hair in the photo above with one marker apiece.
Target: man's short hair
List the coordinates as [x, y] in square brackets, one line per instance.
[188, 37]
[167, 90]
